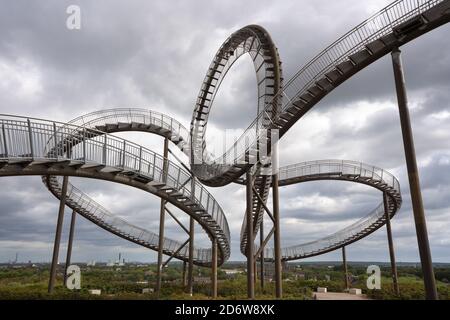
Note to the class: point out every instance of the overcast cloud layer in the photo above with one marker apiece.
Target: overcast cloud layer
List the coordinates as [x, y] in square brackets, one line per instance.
[154, 54]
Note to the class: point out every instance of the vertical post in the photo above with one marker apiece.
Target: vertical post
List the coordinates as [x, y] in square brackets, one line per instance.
[4, 140]
[277, 240]
[255, 272]
[69, 245]
[191, 257]
[84, 145]
[344, 262]
[413, 176]
[55, 136]
[184, 274]
[214, 269]
[30, 137]
[105, 143]
[391, 245]
[162, 217]
[62, 203]
[250, 255]
[261, 257]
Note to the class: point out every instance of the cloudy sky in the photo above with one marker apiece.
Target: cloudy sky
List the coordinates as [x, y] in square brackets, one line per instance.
[154, 54]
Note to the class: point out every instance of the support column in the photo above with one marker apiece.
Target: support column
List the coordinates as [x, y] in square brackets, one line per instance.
[214, 269]
[59, 224]
[191, 257]
[344, 261]
[184, 274]
[250, 254]
[276, 237]
[413, 176]
[391, 245]
[162, 216]
[69, 245]
[261, 257]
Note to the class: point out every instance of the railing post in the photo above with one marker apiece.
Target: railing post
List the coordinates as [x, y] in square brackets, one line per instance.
[123, 154]
[84, 145]
[140, 159]
[69, 245]
[59, 224]
[55, 136]
[413, 176]
[166, 161]
[30, 137]
[391, 245]
[4, 140]
[105, 149]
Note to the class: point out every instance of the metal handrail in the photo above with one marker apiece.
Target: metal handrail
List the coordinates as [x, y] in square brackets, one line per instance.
[343, 170]
[89, 145]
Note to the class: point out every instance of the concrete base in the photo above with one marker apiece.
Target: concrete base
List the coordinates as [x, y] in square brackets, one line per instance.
[338, 296]
[95, 291]
[355, 291]
[321, 290]
[147, 290]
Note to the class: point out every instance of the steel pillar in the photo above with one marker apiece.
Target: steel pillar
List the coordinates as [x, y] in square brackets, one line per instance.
[276, 236]
[190, 281]
[59, 224]
[250, 255]
[184, 274]
[162, 216]
[69, 245]
[261, 257]
[413, 176]
[344, 261]
[214, 269]
[391, 245]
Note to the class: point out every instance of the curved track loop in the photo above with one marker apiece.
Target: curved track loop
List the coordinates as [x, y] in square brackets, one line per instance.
[255, 41]
[42, 147]
[343, 170]
[395, 25]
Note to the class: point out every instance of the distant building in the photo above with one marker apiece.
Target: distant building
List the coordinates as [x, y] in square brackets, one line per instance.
[269, 269]
[231, 273]
[299, 276]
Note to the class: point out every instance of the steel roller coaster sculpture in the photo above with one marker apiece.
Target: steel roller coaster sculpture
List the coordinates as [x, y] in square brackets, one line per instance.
[87, 147]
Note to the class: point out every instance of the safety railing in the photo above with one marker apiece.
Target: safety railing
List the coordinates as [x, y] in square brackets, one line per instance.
[380, 24]
[343, 170]
[90, 208]
[42, 139]
[130, 115]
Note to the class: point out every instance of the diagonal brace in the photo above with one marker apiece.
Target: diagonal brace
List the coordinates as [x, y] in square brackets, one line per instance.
[263, 204]
[266, 240]
[173, 254]
[177, 221]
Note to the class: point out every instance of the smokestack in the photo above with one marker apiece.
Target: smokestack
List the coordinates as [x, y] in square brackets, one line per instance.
[120, 255]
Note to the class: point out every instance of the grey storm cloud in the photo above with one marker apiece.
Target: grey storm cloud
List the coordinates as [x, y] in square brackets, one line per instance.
[155, 54]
